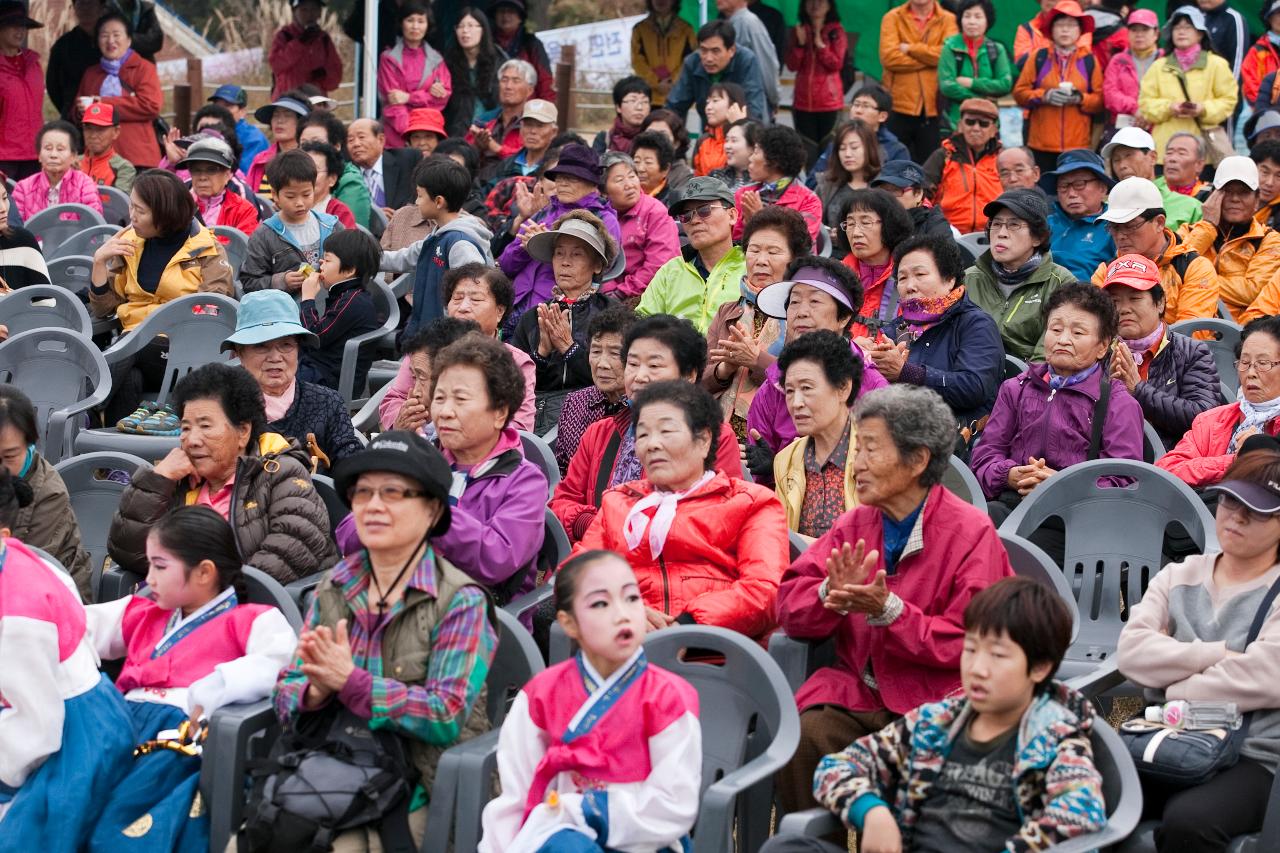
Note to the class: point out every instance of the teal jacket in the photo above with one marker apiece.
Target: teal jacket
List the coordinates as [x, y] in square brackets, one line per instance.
[351, 191]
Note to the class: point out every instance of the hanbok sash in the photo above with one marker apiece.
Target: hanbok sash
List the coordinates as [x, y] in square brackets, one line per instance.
[602, 697]
[180, 628]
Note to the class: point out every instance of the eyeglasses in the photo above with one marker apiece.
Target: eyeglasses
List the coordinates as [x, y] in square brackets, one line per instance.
[702, 211]
[1262, 365]
[866, 105]
[851, 224]
[1130, 227]
[1013, 226]
[1077, 186]
[361, 495]
[635, 101]
[1233, 505]
[973, 121]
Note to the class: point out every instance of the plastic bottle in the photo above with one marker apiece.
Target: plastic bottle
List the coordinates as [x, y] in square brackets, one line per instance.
[1181, 714]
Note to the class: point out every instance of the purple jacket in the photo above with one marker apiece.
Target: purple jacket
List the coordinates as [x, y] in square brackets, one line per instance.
[768, 414]
[1030, 421]
[497, 526]
[532, 279]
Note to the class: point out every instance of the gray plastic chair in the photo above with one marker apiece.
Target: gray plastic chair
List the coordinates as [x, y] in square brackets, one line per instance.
[1224, 312]
[237, 246]
[63, 374]
[196, 325]
[367, 419]
[386, 307]
[822, 245]
[1121, 791]
[539, 453]
[402, 285]
[52, 230]
[1226, 338]
[1152, 445]
[962, 483]
[84, 242]
[94, 499]
[1013, 366]
[44, 306]
[328, 493]
[115, 205]
[974, 244]
[1030, 561]
[71, 272]
[1114, 539]
[797, 545]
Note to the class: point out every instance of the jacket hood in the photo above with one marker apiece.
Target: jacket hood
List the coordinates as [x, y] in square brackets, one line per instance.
[1038, 374]
[508, 439]
[272, 445]
[592, 201]
[327, 223]
[472, 226]
[922, 215]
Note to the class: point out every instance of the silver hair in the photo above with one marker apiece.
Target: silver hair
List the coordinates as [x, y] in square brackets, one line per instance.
[1194, 137]
[530, 73]
[917, 418]
[615, 158]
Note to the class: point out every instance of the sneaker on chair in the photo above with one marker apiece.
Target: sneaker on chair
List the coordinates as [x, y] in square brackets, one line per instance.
[130, 423]
[163, 421]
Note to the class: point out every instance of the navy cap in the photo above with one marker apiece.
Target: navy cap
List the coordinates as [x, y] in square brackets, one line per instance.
[1073, 161]
[900, 173]
[232, 94]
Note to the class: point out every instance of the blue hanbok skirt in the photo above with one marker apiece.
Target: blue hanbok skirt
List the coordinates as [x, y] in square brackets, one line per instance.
[58, 805]
[157, 808]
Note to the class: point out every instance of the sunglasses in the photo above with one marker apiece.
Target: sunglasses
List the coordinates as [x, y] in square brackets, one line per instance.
[702, 211]
[972, 121]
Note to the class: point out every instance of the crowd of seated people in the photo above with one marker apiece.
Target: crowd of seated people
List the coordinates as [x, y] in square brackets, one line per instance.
[755, 350]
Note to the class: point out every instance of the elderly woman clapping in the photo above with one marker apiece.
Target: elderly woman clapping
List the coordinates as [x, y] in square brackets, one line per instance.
[229, 461]
[889, 583]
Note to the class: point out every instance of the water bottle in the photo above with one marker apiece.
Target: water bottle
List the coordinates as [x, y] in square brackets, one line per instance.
[1181, 714]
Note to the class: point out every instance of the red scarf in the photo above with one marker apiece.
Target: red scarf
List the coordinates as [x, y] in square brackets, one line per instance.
[621, 135]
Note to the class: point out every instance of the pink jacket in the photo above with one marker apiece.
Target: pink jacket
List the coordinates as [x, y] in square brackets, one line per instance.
[31, 195]
[952, 554]
[413, 72]
[389, 408]
[21, 105]
[1120, 85]
[649, 239]
[796, 196]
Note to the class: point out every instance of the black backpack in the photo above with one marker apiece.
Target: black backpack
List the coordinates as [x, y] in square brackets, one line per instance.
[327, 773]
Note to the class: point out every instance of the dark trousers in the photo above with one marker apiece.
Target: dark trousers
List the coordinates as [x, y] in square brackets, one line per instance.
[814, 126]
[1046, 160]
[132, 378]
[921, 134]
[1205, 818]
[19, 169]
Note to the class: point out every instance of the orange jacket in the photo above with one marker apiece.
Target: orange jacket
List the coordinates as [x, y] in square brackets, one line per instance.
[966, 182]
[1259, 60]
[1248, 268]
[1189, 295]
[912, 77]
[1030, 37]
[1055, 128]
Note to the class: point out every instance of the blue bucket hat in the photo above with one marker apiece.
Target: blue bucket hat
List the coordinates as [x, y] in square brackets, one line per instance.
[268, 315]
[1073, 161]
[900, 173]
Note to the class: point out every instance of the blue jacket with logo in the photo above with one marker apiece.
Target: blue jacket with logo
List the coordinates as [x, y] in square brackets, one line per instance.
[1080, 244]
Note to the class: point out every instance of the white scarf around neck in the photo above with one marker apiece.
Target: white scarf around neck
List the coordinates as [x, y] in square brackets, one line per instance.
[660, 526]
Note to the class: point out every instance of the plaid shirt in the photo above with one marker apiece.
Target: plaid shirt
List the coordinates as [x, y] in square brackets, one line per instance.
[462, 648]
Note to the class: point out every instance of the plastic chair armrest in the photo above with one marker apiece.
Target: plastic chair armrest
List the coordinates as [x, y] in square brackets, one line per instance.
[714, 829]
[1106, 677]
[811, 822]
[299, 589]
[222, 768]
[521, 605]
[460, 793]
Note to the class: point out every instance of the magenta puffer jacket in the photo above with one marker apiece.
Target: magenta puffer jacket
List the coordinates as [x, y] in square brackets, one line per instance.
[1120, 84]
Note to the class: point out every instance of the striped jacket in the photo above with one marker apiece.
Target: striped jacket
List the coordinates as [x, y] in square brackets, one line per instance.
[1057, 788]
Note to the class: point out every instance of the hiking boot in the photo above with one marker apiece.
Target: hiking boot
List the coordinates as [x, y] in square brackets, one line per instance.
[130, 423]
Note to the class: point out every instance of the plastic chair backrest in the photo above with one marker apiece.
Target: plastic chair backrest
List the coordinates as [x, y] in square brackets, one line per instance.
[63, 374]
[516, 660]
[1224, 312]
[52, 230]
[1030, 561]
[1121, 787]
[555, 543]
[402, 285]
[44, 306]
[333, 504]
[1226, 337]
[1152, 444]
[974, 244]
[264, 589]
[237, 246]
[95, 495]
[367, 420]
[387, 308]
[115, 205]
[1114, 537]
[84, 242]
[962, 483]
[200, 321]
[823, 243]
[1013, 366]
[797, 545]
[71, 272]
[379, 216]
[539, 453]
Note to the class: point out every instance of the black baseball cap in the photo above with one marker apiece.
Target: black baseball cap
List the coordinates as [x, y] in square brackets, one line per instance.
[900, 173]
[1029, 205]
[407, 454]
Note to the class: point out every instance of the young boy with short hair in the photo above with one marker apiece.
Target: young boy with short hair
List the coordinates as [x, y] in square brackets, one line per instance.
[287, 247]
[726, 103]
[101, 128]
[350, 259]
[1006, 766]
[459, 238]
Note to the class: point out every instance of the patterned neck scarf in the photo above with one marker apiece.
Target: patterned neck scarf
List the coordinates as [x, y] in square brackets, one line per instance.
[111, 85]
[921, 315]
[1012, 278]
[1142, 346]
[1057, 383]
[1186, 56]
[1255, 415]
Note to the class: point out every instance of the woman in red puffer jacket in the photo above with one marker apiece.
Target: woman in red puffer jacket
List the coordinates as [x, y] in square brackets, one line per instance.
[816, 50]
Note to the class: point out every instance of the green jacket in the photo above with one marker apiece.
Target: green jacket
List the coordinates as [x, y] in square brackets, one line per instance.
[989, 81]
[351, 191]
[678, 289]
[1018, 315]
[1179, 209]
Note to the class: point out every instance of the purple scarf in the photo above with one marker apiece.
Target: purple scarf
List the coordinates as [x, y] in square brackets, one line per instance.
[1056, 382]
[1141, 345]
[111, 86]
